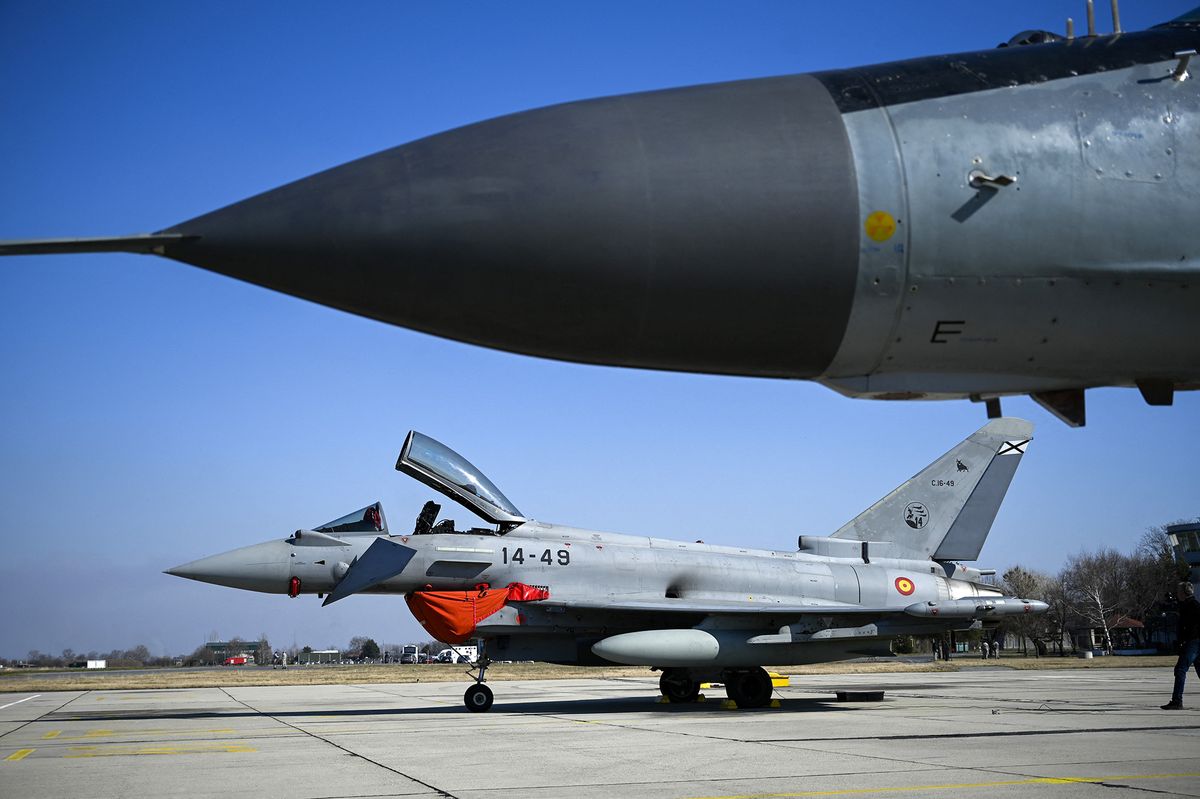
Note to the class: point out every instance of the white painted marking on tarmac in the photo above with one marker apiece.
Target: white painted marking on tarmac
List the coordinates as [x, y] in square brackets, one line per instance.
[19, 701]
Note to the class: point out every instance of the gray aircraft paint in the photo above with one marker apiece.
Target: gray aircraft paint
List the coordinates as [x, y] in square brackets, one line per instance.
[1023, 283]
[724, 228]
[668, 603]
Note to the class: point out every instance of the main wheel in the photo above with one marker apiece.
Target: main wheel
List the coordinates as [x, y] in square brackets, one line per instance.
[478, 698]
[749, 687]
[678, 685]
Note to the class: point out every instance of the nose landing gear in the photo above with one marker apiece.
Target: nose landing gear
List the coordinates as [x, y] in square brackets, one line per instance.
[478, 697]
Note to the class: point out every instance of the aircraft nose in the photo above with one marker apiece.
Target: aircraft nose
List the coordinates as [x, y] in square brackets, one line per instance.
[261, 567]
[711, 229]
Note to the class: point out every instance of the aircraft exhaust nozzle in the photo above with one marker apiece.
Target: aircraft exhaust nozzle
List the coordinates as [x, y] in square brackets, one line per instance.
[976, 608]
[659, 648]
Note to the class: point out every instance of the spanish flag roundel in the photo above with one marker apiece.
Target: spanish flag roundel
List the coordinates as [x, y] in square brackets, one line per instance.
[905, 586]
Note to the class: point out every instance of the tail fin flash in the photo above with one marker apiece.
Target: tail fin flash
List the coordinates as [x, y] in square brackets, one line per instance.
[946, 511]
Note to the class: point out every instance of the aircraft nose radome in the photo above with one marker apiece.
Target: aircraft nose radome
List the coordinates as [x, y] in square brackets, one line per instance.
[262, 567]
[712, 228]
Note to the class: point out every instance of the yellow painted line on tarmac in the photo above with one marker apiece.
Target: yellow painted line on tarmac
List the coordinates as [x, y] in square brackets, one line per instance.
[101, 733]
[51, 734]
[960, 786]
[20, 754]
[182, 749]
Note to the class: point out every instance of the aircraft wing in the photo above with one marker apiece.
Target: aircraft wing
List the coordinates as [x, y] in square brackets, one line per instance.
[979, 607]
[716, 607]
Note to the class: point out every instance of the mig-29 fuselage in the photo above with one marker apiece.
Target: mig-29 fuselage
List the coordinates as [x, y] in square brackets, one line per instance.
[1017, 220]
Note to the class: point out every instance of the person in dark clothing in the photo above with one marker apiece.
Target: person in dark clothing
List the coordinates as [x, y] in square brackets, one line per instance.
[1189, 642]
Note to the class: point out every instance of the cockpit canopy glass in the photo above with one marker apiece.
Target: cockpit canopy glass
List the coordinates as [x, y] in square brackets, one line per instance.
[364, 520]
[441, 468]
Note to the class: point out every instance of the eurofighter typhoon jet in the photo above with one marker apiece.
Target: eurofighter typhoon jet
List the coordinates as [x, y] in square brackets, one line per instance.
[530, 590]
[1019, 220]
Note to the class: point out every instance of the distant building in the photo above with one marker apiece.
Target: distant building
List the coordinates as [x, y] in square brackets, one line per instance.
[220, 651]
[319, 656]
[1186, 540]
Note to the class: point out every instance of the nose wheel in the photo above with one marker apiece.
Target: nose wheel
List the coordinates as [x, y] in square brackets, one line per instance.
[478, 698]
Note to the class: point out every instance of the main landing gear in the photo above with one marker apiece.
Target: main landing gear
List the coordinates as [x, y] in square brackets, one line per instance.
[478, 697]
[749, 687]
[679, 685]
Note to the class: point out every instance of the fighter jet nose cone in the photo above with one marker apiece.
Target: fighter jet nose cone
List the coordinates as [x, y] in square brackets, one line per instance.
[710, 229]
[262, 567]
[195, 570]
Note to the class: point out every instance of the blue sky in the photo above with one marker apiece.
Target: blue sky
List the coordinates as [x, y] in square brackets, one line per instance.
[154, 413]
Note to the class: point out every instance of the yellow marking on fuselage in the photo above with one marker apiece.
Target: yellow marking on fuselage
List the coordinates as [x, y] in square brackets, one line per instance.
[20, 754]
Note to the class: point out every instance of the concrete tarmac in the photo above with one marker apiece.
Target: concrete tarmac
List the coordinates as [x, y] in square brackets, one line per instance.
[987, 733]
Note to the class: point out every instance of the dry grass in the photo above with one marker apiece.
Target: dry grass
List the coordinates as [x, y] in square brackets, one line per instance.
[26, 681]
[1140, 661]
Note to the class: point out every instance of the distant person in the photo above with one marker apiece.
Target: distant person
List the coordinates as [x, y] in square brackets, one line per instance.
[1189, 642]
[983, 649]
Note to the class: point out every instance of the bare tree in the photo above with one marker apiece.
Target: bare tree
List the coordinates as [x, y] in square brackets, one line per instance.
[1026, 584]
[263, 655]
[1157, 544]
[1094, 584]
[355, 650]
[1058, 617]
[138, 656]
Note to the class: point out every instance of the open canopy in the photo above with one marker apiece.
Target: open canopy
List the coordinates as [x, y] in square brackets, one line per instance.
[444, 470]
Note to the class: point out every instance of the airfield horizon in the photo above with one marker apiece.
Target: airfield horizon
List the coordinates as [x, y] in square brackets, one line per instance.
[220, 677]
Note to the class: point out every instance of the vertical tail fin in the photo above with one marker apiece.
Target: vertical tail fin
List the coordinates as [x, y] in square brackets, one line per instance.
[946, 511]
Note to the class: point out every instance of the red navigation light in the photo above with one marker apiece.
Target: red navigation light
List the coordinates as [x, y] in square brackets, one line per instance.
[294, 587]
